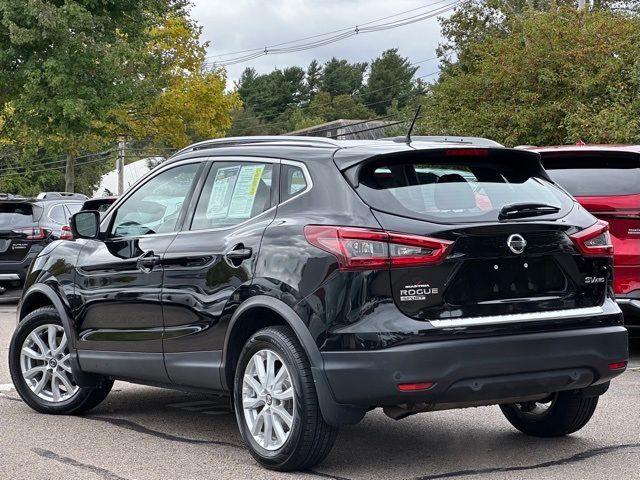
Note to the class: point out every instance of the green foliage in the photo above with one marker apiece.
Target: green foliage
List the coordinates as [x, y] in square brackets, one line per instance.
[75, 74]
[339, 77]
[391, 78]
[271, 94]
[540, 77]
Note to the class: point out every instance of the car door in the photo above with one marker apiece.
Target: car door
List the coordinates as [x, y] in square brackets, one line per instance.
[209, 266]
[119, 278]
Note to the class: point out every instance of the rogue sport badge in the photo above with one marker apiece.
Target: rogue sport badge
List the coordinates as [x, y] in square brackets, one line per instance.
[516, 243]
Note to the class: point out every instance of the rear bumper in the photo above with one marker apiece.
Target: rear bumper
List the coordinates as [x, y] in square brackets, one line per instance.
[630, 306]
[16, 272]
[491, 370]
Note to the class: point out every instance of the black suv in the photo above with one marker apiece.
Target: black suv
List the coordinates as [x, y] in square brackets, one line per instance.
[314, 280]
[27, 225]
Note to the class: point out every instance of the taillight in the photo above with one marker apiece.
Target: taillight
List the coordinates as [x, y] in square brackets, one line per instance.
[361, 248]
[66, 234]
[594, 241]
[33, 233]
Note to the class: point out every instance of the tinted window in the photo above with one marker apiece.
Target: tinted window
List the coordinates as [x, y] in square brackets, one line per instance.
[233, 192]
[451, 193]
[585, 174]
[293, 182]
[156, 205]
[15, 215]
[58, 215]
[586, 182]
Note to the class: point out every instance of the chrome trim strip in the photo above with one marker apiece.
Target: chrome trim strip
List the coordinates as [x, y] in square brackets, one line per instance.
[516, 317]
[9, 276]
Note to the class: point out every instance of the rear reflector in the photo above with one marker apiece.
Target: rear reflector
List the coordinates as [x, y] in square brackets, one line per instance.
[415, 387]
[367, 249]
[594, 241]
[618, 366]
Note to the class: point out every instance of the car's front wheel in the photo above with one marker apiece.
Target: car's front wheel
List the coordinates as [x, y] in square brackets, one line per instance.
[39, 362]
[276, 403]
[560, 414]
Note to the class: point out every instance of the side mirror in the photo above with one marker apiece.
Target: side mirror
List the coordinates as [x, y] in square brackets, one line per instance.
[85, 224]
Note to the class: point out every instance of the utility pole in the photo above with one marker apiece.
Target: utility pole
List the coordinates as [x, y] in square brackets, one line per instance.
[69, 174]
[120, 164]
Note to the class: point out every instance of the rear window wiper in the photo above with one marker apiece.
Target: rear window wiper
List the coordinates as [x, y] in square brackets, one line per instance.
[518, 210]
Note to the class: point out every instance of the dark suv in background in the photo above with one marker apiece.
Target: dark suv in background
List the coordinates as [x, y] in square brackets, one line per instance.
[27, 225]
[605, 179]
[313, 280]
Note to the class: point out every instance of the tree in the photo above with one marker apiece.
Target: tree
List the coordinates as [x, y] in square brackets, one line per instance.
[314, 72]
[340, 77]
[192, 104]
[339, 107]
[271, 94]
[66, 66]
[558, 76]
[391, 78]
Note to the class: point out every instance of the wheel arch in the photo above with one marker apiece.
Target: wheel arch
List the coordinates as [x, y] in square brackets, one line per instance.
[42, 295]
[243, 324]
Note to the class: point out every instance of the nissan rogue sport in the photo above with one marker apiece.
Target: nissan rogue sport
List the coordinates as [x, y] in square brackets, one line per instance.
[314, 280]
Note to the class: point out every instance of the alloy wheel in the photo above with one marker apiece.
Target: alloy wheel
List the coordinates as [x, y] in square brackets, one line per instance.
[45, 364]
[268, 399]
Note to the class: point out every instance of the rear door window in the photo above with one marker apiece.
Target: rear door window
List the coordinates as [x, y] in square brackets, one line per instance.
[15, 215]
[595, 175]
[233, 193]
[464, 191]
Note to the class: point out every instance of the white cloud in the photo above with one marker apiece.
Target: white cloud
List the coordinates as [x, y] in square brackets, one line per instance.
[247, 24]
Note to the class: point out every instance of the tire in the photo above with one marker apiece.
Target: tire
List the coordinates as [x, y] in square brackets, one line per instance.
[69, 401]
[565, 413]
[309, 439]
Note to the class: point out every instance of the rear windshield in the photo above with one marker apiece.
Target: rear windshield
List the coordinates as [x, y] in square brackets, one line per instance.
[456, 193]
[15, 215]
[589, 176]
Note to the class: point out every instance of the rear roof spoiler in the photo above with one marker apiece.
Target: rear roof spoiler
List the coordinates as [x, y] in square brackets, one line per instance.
[466, 141]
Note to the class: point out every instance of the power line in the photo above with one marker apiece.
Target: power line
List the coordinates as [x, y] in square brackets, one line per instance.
[346, 33]
[226, 54]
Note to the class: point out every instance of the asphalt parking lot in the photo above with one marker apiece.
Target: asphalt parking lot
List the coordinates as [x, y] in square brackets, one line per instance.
[149, 433]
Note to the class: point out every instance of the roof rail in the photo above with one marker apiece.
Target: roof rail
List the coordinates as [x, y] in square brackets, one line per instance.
[477, 141]
[52, 195]
[253, 140]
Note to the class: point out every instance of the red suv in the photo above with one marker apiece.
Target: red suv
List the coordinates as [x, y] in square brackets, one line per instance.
[605, 179]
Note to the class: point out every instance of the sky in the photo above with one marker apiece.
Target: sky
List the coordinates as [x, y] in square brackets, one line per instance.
[233, 25]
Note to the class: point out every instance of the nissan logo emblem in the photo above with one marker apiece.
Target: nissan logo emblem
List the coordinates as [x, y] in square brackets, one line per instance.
[516, 243]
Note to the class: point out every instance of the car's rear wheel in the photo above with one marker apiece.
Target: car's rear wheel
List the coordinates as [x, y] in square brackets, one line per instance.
[559, 414]
[39, 362]
[276, 403]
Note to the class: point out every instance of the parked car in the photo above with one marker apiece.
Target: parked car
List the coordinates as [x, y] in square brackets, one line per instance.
[99, 204]
[605, 179]
[27, 225]
[313, 280]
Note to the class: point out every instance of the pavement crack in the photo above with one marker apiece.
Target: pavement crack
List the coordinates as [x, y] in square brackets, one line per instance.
[101, 472]
[324, 475]
[136, 427]
[578, 457]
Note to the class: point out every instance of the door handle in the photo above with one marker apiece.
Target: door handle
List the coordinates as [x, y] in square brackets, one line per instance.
[147, 261]
[239, 254]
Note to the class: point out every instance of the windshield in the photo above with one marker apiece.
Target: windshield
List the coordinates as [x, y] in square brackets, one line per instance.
[15, 215]
[447, 193]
